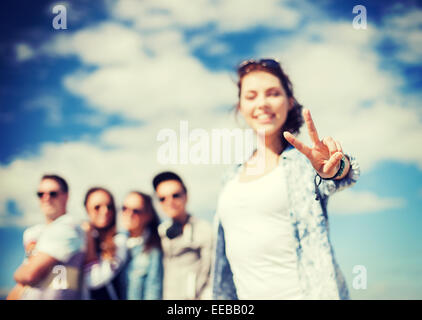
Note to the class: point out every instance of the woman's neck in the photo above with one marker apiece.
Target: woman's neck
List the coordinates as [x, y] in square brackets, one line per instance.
[273, 147]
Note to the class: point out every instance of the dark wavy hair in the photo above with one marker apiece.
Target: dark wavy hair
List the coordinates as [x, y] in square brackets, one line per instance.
[153, 240]
[294, 120]
[105, 245]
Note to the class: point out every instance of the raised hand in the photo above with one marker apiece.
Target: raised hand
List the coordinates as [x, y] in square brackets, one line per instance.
[325, 154]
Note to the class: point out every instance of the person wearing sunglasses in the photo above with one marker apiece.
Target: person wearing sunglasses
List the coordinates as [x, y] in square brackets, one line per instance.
[186, 242]
[55, 250]
[142, 274]
[272, 239]
[106, 248]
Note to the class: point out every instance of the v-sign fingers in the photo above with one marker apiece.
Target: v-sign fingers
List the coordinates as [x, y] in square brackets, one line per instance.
[313, 133]
[331, 145]
[299, 145]
[333, 162]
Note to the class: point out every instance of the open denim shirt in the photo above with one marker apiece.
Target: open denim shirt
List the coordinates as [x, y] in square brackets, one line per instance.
[142, 276]
[319, 273]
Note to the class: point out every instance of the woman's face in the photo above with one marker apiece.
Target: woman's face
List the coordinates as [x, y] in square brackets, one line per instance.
[134, 215]
[263, 102]
[99, 208]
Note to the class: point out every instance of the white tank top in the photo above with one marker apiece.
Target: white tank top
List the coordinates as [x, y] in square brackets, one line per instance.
[259, 237]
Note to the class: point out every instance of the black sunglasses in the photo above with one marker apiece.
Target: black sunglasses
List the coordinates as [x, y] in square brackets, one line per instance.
[177, 195]
[246, 65]
[52, 194]
[98, 206]
[135, 211]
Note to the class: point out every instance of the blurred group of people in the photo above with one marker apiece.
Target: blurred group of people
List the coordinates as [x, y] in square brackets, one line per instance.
[93, 259]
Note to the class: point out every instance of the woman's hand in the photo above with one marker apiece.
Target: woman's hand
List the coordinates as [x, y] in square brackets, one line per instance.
[325, 154]
[91, 254]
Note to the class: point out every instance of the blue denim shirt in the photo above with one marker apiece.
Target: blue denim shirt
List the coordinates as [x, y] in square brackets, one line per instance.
[142, 275]
[319, 274]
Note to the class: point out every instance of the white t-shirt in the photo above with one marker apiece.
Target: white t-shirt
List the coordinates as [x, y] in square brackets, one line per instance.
[61, 239]
[259, 237]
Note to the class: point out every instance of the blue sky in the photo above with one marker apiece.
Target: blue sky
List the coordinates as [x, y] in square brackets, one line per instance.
[87, 103]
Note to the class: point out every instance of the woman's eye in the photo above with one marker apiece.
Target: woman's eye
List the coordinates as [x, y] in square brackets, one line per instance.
[97, 207]
[274, 93]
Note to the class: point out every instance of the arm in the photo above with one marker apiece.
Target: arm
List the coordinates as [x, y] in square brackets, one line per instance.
[91, 254]
[100, 271]
[16, 292]
[154, 279]
[35, 269]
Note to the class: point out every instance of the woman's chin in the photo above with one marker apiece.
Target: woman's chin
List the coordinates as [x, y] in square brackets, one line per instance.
[269, 129]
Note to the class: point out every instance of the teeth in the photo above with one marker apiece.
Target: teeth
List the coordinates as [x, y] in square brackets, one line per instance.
[263, 116]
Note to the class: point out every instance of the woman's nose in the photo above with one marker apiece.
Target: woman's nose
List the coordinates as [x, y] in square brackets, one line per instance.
[261, 102]
[103, 209]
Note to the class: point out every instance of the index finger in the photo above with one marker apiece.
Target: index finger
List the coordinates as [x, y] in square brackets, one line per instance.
[299, 145]
[311, 126]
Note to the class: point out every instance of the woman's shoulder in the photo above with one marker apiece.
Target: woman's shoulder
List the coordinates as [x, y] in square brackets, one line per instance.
[294, 158]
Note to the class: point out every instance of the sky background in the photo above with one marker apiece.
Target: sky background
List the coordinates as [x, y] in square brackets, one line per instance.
[88, 102]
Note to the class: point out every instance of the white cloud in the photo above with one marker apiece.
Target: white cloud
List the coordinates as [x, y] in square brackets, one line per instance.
[105, 44]
[170, 82]
[405, 29]
[23, 52]
[352, 202]
[226, 16]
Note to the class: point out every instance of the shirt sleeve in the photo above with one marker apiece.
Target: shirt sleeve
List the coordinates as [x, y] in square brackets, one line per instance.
[100, 272]
[61, 241]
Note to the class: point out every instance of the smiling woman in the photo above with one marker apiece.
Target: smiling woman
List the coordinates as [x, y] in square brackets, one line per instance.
[273, 240]
[106, 250]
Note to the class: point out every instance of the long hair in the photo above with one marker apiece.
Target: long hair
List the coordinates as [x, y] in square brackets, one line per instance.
[105, 245]
[153, 240]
